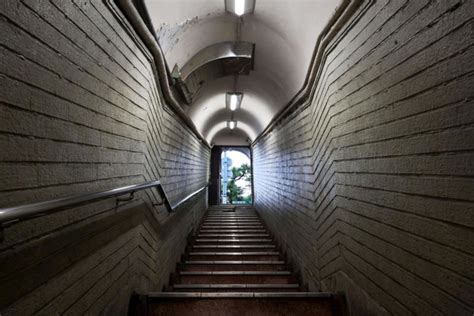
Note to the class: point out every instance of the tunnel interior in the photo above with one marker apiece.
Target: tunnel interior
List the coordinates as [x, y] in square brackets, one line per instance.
[118, 119]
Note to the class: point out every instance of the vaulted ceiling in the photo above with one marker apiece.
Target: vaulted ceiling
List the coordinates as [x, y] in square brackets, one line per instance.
[284, 34]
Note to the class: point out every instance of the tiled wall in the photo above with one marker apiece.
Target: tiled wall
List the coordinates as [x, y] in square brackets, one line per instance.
[369, 187]
[80, 111]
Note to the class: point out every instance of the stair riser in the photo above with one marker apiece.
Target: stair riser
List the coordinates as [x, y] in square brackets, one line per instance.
[232, 217]
[231, 279]
[244, 230]
[230, 236]
[213, 249]
[239, 221]
[225, 306]
[214, 241]
[257, 226]
[236, 267]
[232, 222]
[230, 257]
[239, 290]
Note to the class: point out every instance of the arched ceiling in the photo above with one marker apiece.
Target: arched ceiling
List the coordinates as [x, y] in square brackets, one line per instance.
[284, 34]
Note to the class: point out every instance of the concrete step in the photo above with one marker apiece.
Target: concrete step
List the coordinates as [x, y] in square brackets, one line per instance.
[232, 235]
[238, 255]
[241, 303]
[231, 222]
[236, 226]
[233, 241]
[234, 265]
[232, 231]
[236, 287]
[232, 216]
[225, 220]
[229, 277]
[245, 247]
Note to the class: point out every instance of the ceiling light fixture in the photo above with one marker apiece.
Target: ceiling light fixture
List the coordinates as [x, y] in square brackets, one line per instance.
[231, 124]
[233, 100]
[239, 7]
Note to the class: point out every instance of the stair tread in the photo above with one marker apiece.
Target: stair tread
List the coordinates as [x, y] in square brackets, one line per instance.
[233, 235]
[235, 273]
[239, 294]
[236, 285]
[203, 231]
[234, 253]
[234, 246]
[212, 262]
[233, 240]
[232, 227]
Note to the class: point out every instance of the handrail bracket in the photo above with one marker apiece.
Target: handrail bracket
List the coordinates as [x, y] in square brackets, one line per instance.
[125, 199]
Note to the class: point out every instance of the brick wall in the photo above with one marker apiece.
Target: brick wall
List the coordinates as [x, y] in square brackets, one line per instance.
[369, 187]
[80, 111]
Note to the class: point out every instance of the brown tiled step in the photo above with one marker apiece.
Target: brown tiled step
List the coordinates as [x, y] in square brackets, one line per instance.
[236, 287]
[227, 255]
[215, 223]
[232, 224]
[234, 265]
[241, 295]
[235, 226]
[245, 247]
[225, 220]
[240, 235]
[232, 231]
[252, 216]
[241, 303]
[227, 277]
[232, 240]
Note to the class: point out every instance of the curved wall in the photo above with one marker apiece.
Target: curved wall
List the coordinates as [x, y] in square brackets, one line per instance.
[80, 111]
[369, 185]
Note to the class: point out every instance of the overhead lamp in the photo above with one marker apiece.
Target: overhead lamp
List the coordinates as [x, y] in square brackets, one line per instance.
[239, 7]
[233, 100]
[231, 124]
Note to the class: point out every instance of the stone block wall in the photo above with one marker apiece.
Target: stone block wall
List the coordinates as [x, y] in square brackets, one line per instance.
[369, 187]
[80, 111]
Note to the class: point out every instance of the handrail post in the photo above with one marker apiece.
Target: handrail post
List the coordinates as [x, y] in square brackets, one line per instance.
[164, 198]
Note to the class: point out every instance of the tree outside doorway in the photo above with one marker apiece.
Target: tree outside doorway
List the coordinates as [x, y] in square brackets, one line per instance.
[236, 178]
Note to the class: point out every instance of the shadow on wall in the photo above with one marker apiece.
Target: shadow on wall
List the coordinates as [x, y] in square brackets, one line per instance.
[94, 266]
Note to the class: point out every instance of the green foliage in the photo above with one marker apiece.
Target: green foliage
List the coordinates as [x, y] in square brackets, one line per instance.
[234, 192]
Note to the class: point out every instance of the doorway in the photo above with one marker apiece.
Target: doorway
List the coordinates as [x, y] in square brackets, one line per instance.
[231, 176]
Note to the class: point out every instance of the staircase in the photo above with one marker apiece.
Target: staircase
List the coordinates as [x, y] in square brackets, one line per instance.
[234, 267]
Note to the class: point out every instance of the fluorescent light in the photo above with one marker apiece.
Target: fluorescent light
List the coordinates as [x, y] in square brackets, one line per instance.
[239, 7]
[233, 100]
[231, 124]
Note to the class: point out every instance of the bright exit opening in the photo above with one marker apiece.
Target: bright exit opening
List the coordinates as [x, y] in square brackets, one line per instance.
[235, 176]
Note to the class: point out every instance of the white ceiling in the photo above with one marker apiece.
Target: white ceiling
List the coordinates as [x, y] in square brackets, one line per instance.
[284, 33]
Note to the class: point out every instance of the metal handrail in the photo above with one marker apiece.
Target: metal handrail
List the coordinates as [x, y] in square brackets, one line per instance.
[17, 213]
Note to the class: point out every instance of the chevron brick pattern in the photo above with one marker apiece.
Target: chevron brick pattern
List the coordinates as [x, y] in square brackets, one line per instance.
[369, 186]
[80, 111]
